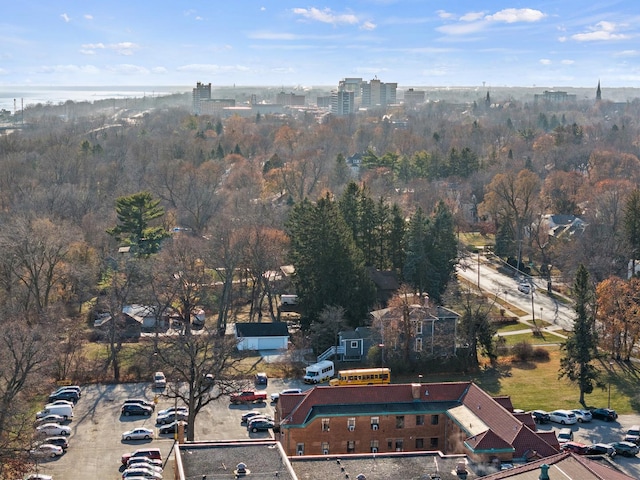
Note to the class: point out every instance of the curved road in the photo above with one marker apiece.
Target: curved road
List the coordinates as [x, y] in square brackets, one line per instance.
[537, 304]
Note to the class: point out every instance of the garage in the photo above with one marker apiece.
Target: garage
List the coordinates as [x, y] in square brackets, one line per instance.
[262, 336]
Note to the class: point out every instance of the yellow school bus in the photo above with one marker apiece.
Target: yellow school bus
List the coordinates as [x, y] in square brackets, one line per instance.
[362, 376]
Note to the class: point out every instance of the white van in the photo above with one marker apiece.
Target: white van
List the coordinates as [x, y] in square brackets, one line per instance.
[288, 299]
[65, 411]
[319, 372]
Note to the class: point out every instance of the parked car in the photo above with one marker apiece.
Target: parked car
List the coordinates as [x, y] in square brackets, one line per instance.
[626, 449]
[601, 449]
[53, 429]
[266, 417]
[75, 388]
[261, 379]
[141, 472]
[564, 417]
[169, 410]
[583, 415]
[172, 417]
[130, 409]
[171, 428]
[276, 396]
[148, 466]
[564, 435]
[141, 401]
[575, 447]
[146, 460]
[524, 288]
[62, 402]
[153, 453]
[39, 476]
[51, 418]
[70, 395]
[138, 434]
[260, 424]
[540, 416]
[159, 380]
[46, 450]
[606, 414]
[250, 414]
[633, 434]
[62, 442]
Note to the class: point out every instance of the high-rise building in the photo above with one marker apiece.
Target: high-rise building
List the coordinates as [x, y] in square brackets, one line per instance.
[413, 97]
[290, 99]
[342, 102]
[376, 93]
[351, 84]
[201, 92]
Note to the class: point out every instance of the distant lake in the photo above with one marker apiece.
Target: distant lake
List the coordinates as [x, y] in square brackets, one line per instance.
[55, 95]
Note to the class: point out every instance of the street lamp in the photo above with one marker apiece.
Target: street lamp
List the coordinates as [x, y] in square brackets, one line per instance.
[610, 371]
[381, 346]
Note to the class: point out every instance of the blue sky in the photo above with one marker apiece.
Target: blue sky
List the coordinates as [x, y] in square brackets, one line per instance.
[283, 42]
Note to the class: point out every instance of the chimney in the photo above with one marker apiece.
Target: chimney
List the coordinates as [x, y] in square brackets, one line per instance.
[544, 472]
[415, 391]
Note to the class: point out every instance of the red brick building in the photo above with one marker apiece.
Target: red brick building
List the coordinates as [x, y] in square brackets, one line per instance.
[455, 418]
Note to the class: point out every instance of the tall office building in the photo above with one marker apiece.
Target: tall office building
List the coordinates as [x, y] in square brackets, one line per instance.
[290, 99]
[342, 102]
[351, 84]
[201, 92]
[376, 93]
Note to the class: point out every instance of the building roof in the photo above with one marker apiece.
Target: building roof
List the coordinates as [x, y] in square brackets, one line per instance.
[486, 422]
[263, 459]
[565, 466]
[266, 329]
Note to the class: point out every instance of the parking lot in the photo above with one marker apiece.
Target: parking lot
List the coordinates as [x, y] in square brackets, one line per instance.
[95, 444]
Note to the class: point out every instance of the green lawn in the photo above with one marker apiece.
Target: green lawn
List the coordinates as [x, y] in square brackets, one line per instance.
[546, 338]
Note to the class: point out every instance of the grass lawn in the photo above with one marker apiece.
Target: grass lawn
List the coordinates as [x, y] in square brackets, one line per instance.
[513, 327]
[548, 337]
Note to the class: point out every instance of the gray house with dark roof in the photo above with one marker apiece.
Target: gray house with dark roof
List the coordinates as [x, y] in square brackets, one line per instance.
[262, 336]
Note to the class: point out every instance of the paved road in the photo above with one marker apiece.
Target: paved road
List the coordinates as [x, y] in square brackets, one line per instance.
[537, 304]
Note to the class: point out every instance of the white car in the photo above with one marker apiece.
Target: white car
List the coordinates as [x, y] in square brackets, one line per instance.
[524, 287]
[61, 402]
[276, 396]
[583, 415]
[169, 410]
[51, 418]
[39, 476]
[563, 417]
[138, 434]
[159, 380]
[141, 464]
[53, 429]
[141, 472]
[47, 450]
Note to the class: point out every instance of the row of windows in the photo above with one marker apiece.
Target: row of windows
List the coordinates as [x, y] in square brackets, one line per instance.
[393, 444]
[375, 422]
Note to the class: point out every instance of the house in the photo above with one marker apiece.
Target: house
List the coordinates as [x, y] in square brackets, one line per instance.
[433, 329]
[559, 225]
[262, 336]
[565, 465]
[144, 315]
[454, 418]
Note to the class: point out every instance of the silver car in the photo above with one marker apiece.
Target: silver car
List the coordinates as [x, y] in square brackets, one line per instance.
[138, 434]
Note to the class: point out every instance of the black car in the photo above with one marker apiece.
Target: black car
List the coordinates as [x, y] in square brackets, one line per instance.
[130, 409]
[261, 379]
[601, 449]
[58, 441]
[71, 395]
[172, 417]
[606, 414]
[260, 424]
[141, 401]
[540, 416]
[171, 428]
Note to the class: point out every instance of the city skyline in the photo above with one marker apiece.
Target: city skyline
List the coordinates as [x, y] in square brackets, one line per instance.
[283, 42]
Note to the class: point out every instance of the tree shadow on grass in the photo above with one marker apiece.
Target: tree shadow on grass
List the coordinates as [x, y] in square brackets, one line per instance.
[625, 376]
[489, 376]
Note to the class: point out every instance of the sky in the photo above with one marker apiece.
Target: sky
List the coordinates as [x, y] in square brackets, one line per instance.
[310, 43]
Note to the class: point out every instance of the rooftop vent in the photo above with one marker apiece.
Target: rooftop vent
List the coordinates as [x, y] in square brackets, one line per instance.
[241, 470]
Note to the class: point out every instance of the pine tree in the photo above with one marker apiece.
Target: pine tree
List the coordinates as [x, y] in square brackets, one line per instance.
[581, 345]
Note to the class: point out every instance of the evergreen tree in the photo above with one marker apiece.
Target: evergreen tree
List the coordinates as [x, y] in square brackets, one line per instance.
[329, 269]
[219, 128]
[581, 345]
[443, 251]
[397, 234]
[135, 213]
[416, 263]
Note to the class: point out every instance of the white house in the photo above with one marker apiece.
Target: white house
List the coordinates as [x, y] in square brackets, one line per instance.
[262, 336]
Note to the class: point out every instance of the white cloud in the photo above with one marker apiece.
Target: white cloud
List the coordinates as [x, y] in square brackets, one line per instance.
[88, 16]
[545, 61]
[128, 69]
[122, 48]
[262, 9]
[161, 70]
[212, 68]
[444, 14]
[326, 16]
[462, 28]
[368, 26]
[568, 62]
[601, 31]
[513, 15]
[3, 71]
[472, 16]
[273, 36]
[74, 69]
[627, 53]
[562, 39]
[65, 17]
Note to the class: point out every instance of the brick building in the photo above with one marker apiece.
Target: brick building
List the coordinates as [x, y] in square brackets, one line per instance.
[455, 418]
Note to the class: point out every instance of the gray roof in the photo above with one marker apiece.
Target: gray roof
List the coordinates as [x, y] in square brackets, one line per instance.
[275, 329]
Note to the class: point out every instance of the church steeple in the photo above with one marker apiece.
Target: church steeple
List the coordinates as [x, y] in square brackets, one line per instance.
[598, 93]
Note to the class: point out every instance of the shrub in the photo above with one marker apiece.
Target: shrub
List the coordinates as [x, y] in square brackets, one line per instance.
[522, 351]
[541, 354]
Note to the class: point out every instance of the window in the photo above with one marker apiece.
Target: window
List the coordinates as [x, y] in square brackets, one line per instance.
[351, 424]
[434, 442]
[419, 443]
[418, 328]
[351, 446]
[300, 448]
[375, 423]
[354, 344]
[325, 448]
[375, 445]
[325, 424]
[399, 421]
[399, 445]
[419, 420]
[390, 445]
[418, 345]
[434, 419]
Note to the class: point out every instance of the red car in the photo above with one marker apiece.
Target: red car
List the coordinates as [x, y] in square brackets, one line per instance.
[575, 447]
